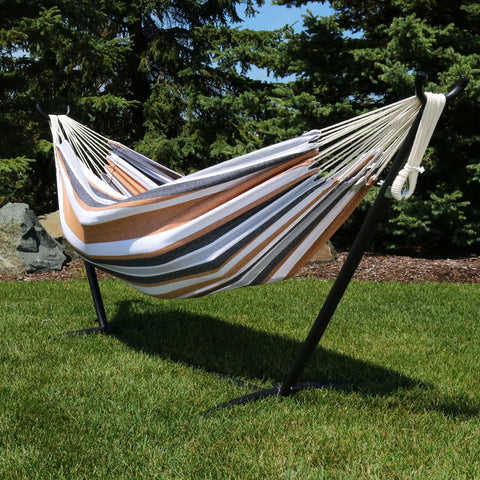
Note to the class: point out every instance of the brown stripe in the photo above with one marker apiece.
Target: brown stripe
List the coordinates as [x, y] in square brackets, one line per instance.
[113, 198]
[132, 185]
[245, 259]
[163, 219]
[69, 214]
[125, 204]
[305, 159]
[60, 161]
[204, 231]
[164, 170]
[328, 232]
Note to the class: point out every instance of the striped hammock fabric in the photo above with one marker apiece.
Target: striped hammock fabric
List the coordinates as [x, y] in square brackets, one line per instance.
[251, 220]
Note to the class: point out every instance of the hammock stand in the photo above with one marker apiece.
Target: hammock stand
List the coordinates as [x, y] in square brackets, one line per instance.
[359, 246]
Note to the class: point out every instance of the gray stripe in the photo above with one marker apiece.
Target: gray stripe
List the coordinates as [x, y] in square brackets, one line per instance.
[305, 227]
[211, 236]
[177, 188]
[289, 241]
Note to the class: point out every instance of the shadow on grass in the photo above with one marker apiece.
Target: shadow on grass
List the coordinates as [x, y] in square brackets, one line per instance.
[237, 351]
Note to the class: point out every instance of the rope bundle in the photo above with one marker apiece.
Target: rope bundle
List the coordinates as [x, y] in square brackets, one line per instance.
[406, 181]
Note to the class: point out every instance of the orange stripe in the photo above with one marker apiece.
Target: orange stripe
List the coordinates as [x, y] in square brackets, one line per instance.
[328, 233]
[245, 259]
[148, 201]
[163, 219]
[114, 198]
[126, 204]
[164, 170]
[124, 178]
[192, 237]
[198, 233]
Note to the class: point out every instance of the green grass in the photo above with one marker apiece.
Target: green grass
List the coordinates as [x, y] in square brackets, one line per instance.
[128, 407]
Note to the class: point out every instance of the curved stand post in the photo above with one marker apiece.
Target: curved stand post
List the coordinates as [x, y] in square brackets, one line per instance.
[359, 246]
[39, 108]
[355, 255]
[420, 80]
[457, 89]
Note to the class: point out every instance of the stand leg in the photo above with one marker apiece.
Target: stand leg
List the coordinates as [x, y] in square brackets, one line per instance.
[350, 265]
[97, 297]
[103, 326]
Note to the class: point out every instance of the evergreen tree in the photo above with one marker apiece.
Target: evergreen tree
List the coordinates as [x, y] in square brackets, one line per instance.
[169, 79]
[153, 74]
[383, 43]
[56, 53]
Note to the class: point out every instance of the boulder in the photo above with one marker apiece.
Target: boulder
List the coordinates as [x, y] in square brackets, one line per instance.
[25, 244]
[52, 224]
[325, 253]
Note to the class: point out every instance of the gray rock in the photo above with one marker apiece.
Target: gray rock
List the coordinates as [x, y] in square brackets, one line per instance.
[52, 224]
[10, 259]
[26, 246]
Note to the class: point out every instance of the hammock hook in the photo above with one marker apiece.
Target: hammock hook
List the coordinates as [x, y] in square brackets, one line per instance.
[420, 80]
[457, 88]
[39, 108]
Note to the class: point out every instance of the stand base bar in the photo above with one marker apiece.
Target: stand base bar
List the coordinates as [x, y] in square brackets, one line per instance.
[275, 391]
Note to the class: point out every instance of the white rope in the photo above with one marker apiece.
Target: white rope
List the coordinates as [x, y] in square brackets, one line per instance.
[375, 135]
[90, 147]
[358, 147]
[406, 181]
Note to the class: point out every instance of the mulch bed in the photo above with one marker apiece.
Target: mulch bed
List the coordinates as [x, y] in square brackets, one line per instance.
[395, 268]
[382, 268]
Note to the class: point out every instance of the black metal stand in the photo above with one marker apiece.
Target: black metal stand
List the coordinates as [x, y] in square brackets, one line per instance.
[97, 298]
[103, 326]
[359, 246]
[357, 251]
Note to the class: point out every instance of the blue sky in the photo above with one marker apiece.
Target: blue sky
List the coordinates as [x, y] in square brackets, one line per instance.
[272, 17]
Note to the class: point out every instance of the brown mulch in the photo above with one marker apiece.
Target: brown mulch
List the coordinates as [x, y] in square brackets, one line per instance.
[383, 268]
[70, 271]
[396, 268]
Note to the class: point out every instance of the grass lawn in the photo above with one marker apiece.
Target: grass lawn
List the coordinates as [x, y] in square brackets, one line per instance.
[405, 357]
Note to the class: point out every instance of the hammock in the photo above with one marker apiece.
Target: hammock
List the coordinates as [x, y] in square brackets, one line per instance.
[254, 219]
[251, 220]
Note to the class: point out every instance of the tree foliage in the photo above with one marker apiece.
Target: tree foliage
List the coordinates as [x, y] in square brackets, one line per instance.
[170, 78]
[151, 73]
[382, 44]
[57, 54]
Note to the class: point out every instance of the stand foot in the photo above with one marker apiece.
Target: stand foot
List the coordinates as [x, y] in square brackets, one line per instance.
[276, 391]
[107, 329]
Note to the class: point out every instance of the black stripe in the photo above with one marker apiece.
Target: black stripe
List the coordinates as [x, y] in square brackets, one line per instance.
[187, 186]
[142, 163]
[211, 236]
[174, 188]
[311, 220]
[203, 241]
[80, 189]
[309, 223]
